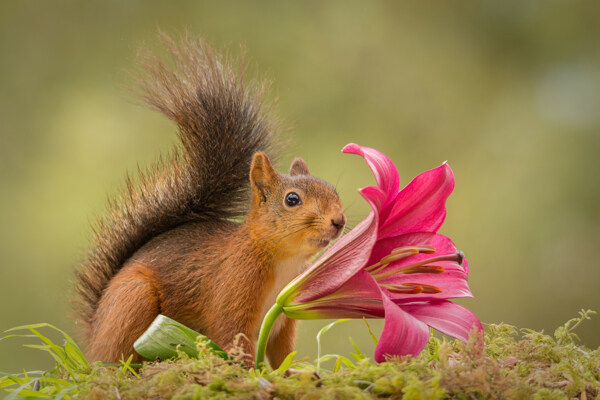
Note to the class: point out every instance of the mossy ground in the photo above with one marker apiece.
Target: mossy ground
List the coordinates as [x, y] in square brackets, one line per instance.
[512, 364]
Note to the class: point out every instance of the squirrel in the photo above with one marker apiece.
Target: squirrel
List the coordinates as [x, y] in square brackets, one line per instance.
[211, 235]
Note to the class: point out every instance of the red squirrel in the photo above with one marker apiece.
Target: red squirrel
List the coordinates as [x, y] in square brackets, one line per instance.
[171, 244]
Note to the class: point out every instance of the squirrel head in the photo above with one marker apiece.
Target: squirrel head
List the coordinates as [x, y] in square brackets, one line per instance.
[295, 214]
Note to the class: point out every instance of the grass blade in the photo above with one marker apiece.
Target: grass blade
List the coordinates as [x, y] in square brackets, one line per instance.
[321, 332]
[359, 355]
[371, 332]
[287, 362]
[12, 336]
[15, 393]
[62, 393]
[127, 366]
[338, 365]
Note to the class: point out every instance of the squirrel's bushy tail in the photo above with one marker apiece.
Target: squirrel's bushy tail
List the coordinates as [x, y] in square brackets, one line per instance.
[222, 121]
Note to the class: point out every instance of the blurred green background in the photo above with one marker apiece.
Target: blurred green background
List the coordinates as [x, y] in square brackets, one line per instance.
[507, 91]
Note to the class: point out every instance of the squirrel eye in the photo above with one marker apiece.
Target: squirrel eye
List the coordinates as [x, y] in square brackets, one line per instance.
[292, 199]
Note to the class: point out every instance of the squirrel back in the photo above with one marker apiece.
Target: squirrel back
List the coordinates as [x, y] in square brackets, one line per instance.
[222, 122]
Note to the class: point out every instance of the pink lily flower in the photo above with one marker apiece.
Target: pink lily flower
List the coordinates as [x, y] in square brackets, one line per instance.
[392, 265]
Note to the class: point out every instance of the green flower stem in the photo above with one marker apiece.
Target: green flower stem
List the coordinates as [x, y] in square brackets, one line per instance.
[265, 330]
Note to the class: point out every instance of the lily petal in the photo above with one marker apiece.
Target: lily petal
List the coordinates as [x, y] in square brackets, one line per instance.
[402, 334]
[421, 205]
[359, 296]
[386, 174]
[449, 318]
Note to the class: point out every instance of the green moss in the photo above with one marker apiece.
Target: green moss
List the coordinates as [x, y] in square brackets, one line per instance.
[512, 363]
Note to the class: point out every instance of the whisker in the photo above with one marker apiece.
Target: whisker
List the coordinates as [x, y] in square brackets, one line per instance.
[277, 240]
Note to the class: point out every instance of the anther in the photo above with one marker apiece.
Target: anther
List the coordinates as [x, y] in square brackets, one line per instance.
[431, 289]
[424, 269]
[412, 288]
[413, 268]
[407, 288]
[397, 254]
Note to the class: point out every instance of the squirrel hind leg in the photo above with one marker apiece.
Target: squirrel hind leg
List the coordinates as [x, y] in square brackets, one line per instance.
[127, 308]
[281, 343]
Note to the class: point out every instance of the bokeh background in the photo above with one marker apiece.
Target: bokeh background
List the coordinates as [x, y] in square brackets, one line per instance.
[507, 91]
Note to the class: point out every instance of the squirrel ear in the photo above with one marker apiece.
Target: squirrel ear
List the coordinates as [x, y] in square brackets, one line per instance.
[299, 167]
[262, 175]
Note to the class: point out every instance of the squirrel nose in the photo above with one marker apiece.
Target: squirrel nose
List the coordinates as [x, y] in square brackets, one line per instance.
[339, 222]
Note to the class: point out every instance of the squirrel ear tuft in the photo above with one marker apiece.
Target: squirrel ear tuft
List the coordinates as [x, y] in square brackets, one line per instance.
[299, 167]
[262, 175]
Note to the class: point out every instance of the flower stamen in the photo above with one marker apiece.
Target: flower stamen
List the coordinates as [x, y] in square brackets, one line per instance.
[412, 288]
[421, 266]
[398, 254]
[423, 269]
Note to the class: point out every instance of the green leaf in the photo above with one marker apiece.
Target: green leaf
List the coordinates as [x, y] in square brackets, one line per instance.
[165, 336]
[287, 362]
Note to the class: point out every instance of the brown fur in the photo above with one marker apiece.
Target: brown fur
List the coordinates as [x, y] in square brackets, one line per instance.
[282, 343]
[168, 245]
